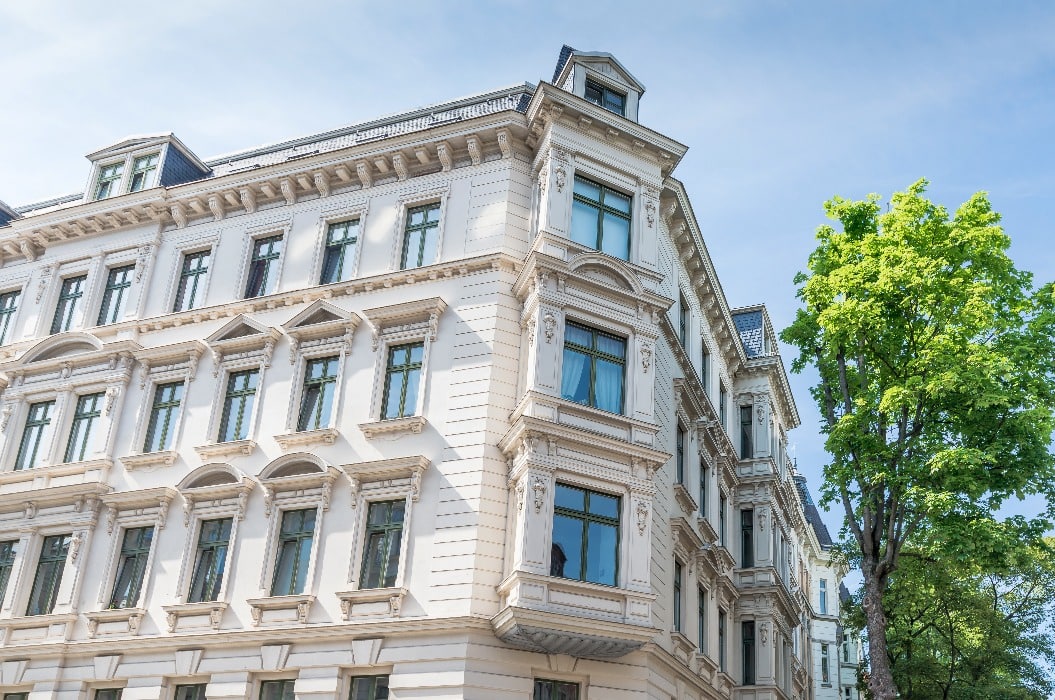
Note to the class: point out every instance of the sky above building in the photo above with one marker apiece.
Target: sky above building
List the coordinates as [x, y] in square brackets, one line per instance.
[783, 104]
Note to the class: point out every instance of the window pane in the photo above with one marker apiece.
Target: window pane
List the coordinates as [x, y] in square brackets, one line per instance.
[587, 188]
[607, 506]
[190, 692]
[49, 574]
[568, 497]
[161, 427]
[601, 553]
[566, 554]
[584, 219]
[575, 378]
[578, 335]
[617, 200]
[611, 345]
[616, 237]
[8, 306]
[609, 390]
[369, 688]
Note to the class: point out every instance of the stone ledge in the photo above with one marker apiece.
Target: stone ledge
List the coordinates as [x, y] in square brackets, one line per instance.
[410, 424]
[217, 450]
[303, 438]
[372, 601]
[213, 609]
[149, 459]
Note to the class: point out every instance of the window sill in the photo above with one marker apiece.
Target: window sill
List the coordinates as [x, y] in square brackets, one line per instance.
[113, 622]
[302, 438]
[383, 602]
[280, 608]
[93, 470]
[684, 648]
[706, 529]
[150, 459]
[225, 449]
[39, 628]
[684, 499]
[210, 614]
[410, 424]
[706, 667]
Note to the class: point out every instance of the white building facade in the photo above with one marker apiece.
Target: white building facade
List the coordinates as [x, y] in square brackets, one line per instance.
[446, 405]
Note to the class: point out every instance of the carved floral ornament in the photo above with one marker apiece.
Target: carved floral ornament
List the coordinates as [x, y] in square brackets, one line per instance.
[538, 487]
[646, 357]
[642, 516]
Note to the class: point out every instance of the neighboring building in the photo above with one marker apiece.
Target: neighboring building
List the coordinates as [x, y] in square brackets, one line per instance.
[850, 656]
[449, 404]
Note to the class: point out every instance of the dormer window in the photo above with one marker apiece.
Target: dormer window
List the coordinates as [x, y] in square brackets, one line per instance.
[139, 163]
[144, 169]
[606, 97]
[109, 179]
[142, 175]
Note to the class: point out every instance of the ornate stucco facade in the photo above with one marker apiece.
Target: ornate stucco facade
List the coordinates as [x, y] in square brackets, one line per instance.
[372, 408]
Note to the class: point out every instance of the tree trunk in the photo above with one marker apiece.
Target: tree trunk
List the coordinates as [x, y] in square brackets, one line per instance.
[880, 675]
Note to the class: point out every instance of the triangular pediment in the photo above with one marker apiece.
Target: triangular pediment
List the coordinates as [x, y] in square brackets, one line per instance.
[131, 143]
[319, 312]
[599, 62]
[240, 326]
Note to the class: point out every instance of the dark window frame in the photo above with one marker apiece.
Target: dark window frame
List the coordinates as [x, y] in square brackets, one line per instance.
[164, 413]
[133, 559]
[547, 689]
[70, 295]
[108, 179]
[313, 393]
[722, 656]
[701, 619]
[335, 252]
[38, 426]
[295, 540]
[683, 322]
[8, 551]
[747, 426]
[594, 355]
[241, 397]
[587, 518]
[118, 282]
[143, 172]
[190, 691]
[407, 368]
[390, 534]
[747, 537]
[679, 576]
[8, 309]
[44, 591]
[284, 688]
[426, 228]
[603, 98]
[368, 687]
[680, 438]
[263, 261]
[602, 209]
[210, 559]
[193, 272]
[747, 640]
[703, 488]
[88, 408]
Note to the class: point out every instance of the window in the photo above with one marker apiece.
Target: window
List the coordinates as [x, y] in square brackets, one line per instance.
[421, 236]
[402, 376]
[37, 421]
[214, 538]
[846, 640]
[163, 414]
[384, 536]
[703, 489]
[263, 266]
[294, 551]
[594, 366]
[16, 696]
[135, 550]
[337, 259]
[143, 171]
[746, 449]
[701, 619]
[191, 290]
[705, 370]
[823, 584]
[8, 307]
[848, 693]
[369, 688]
[238, 405]
[606, 97]
[89, 407]
[679, 456]
[7, 562]
[190, 692]
[721, 641]
[683, 321]
[555, 690]
[118, 280]
[108, 694]
[722, 406]
[721, 519]
[49, 575]
[600, 218]
[747, 634]
[277, 690]
[109, 177]
[320, 380]
[825, 673]
[747, 538]
[677, 596]
[69, 299]
[585, 535]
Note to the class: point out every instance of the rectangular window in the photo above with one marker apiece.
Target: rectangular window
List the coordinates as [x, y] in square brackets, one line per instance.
[163, 415]
[118, 280]
[277, 690]
[846, 643]
[721, 519]
[701, 619]
[606, 97]
[143, 171]
[89, 408]
[747, 634]
[747, 451]
[294, 551]
[679, 455]
[191, 290]
[848, 693]
[721, 641]
[703, 489]
[825, 672]
[683, 321]
[190, 692]
[108, 694]
[7, 562]
[722, 406]
[263, 266]
[747, 538]
[823, 584]
[555, 690]
[585, 535]
[109, 176]
[600, 218]
[37, 422]
[369, 688]
[49, 575]
[8, 307]
[135, 550]
[384, 537]
[238, 405]
[16, 696]
[402, 377]
[594, 367]
[316, 402]
[337, 259]
[69, 299]
[214, 538]
[705, 370]
[677, 596]
[421, 236]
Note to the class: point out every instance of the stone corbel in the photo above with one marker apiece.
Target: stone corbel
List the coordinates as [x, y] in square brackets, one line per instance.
[216, 207]
[475, 149]
[505, 143]
[289, 190]
[322, 182]
[362, 170]
[399, 164]
[446, 155]
[179, 214]
[248, 198]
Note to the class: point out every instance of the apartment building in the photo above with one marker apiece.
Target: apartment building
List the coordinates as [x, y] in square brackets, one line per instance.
[449, 404]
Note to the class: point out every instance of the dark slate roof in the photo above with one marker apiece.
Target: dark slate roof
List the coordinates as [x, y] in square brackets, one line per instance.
[813, 516]
[844, 592]
[749, 325]
[562, 60]
[6, 214]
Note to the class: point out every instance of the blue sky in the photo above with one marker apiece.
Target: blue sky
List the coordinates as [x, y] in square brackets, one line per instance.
[782, 104]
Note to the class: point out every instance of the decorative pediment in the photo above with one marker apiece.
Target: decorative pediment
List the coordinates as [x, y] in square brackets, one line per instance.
[388, 472]
[321, 324]
[597, 62]
[181, 358]
[419, 317]
[62, 345]
[68, 359]
[242, 338]
[301, 475]
[215, 484]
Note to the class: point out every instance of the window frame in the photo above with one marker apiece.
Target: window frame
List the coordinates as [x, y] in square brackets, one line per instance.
[142, 560]
[535, 688]
[605, 90]
[268, 287]
[748, 653]
[107, 307]
[9, 314]
[595, 355]
[599, 182]
[678, 596]
[75, 316]
[587, 519]
[149, 181]
[172, 423]
[114, 181]
[307, 381]
[123, 181]
[93, 417]
[45, 437]
[125, 510]
[747, 428]
[199, 548]
[406, 369]
[822, 596]
[201, 278]
[57, 584]
[245, 423]
[375, 677]
[344, 259]
[409, 201]
[386, 529]
[747, 538]
[701, 618]
[338, 214]
[723, 641]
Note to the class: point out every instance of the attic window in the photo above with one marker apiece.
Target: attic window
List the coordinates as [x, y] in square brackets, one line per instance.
[606, 97]
[109, 178]
[142, 171]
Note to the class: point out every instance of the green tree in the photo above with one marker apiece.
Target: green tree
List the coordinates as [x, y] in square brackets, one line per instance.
[935, 364]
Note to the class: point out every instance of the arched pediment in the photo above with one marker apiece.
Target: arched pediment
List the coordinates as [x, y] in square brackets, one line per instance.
[214, 474]
[606, 271]
[295, 464]
[62, 345]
